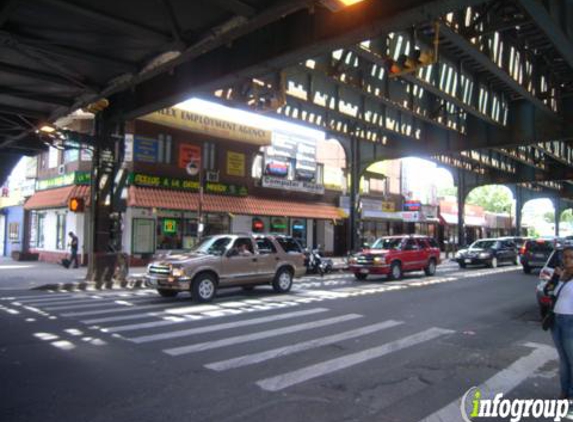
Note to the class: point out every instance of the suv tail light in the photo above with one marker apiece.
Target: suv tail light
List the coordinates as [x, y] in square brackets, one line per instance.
[522, 250]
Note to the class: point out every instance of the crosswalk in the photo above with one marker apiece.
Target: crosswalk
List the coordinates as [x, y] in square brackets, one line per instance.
[288, 340]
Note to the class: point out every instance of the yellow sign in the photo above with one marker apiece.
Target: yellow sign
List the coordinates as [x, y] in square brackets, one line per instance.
[193, 122]
[388, 206]
[235, 164]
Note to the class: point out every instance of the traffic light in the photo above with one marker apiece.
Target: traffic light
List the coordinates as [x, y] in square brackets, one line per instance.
[76, 204]
[411, 63]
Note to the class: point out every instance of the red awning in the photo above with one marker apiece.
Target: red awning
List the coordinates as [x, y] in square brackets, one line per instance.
[179, 200]
[57, 198]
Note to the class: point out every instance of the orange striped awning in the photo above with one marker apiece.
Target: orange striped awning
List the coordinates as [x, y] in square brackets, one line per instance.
[180, 200]
[57, 198]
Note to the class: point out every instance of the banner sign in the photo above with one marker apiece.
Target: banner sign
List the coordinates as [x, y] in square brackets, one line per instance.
[193, 122]
[146, 180]
[292, 185]
[412, 205]
[74, 178]
[145, 150]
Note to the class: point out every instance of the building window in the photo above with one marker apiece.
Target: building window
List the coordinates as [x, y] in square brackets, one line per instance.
[164, 148]
[257, 171]
[258, 225]
[61, 231]
[209, 156]
[14, 231]
[53, 157]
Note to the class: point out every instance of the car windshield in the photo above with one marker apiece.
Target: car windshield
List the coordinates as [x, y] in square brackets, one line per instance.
[483, 244]
[387, 243]
[212, 245]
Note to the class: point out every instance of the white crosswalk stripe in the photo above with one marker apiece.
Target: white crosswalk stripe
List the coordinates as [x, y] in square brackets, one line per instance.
[199, 347]
[299, 347]
[224, 326]
[283, 381]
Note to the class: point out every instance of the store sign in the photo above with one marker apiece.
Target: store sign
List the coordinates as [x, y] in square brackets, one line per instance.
[412, 205]
[388, 206]
[290, 148]
[74, 178]
[189, 153]
[235, 164]
[292, 185]
[187, 120]
[410, 216]
[146, 150]
[146, 180]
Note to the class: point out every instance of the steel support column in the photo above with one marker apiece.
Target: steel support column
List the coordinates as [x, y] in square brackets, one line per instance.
[462, 191]
[518, 208]
[558, 210]
[354, 170]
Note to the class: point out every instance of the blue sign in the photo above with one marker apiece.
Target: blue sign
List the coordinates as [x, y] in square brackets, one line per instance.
[145, 150]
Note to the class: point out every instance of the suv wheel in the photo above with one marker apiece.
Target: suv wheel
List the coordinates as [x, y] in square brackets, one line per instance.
[395, 271]
[526, 269]
[360, 277]
[431, 268]
[493, 263]
[282, 282]
[167, 293]
[204, 288]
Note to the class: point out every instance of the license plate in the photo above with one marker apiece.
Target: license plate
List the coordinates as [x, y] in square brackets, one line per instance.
[364, 271]
[468, 261]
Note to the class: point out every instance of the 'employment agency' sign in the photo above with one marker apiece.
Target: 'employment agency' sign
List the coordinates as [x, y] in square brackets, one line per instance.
[187, 120]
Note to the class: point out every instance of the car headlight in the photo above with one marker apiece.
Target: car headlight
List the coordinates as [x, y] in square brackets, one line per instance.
[484, 255]
[380, 260]
[178, 272]
[458, 254]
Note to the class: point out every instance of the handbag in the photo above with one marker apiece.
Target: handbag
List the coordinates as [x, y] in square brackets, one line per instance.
[548, 321]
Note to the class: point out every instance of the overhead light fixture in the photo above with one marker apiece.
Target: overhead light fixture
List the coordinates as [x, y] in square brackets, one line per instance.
[338, 5]
[48, 129]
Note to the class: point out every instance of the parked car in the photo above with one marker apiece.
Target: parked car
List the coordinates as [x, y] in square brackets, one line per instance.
[488, 252]
[229, 260]
[519, 241]
[545, 275]
[395, 255]
[535, 253]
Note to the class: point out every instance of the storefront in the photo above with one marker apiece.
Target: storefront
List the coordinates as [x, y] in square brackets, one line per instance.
[50, 220]
[474, 223]
[497, 225]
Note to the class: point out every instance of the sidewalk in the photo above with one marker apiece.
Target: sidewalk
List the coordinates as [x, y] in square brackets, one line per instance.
[15, 275]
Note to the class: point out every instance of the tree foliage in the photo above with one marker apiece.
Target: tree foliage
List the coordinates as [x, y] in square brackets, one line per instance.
[492, 198]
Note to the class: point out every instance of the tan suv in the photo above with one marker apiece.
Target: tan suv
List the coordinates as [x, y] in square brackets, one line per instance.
[228, 260]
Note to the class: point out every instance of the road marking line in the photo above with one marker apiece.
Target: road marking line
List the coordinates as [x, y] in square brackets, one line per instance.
[199, 347]
[313, 371]
[116, 309]
[502, 382]
[224, 326]
[299, 347]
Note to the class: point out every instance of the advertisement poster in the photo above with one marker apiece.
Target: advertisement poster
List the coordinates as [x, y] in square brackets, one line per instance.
[146, 150]
[189, 153]
[235, 164]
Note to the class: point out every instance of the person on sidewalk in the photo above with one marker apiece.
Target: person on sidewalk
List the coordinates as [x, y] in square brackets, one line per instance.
[73, 249]
[562, 331]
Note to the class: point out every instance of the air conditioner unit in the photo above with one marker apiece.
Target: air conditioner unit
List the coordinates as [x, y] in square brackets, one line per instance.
[212, 176]
[61, 169]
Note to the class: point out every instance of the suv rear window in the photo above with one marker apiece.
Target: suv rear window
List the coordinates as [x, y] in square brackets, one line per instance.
[535, 246]
[289, 244]
[433, 242]
[387, 243]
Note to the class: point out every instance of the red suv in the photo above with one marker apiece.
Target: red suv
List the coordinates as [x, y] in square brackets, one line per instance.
[395, 255]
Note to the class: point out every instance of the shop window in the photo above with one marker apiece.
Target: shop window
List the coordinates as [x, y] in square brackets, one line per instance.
[61, 231]
[258, 225]
[41, 220]
[143, 236]
[279, 225]
[209, 158]
[298, 230]
[217, 224]
[14, 231]
[169, 233]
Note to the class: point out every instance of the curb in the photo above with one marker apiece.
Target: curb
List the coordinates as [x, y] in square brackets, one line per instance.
[132, 283]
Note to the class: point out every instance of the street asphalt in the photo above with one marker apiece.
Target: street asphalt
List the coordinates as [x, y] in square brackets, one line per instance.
[333, 349]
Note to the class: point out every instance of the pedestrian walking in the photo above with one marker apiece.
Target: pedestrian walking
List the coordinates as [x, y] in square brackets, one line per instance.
[73, 249]
[562, 330]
